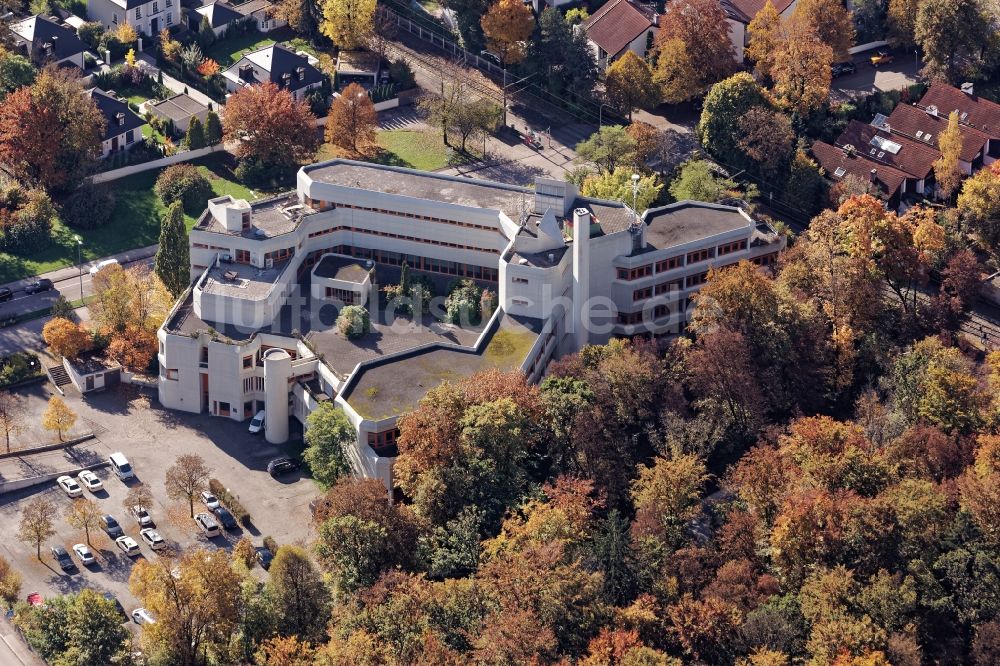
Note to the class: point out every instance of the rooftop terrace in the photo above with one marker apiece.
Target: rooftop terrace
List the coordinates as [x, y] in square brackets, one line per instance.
[268, 218]
[395, 387]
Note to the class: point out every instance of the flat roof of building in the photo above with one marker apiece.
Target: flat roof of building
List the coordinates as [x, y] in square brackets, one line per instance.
[422, 185]
[340, 267]
[271, 217]
[396, 386]
[179, 107]
[241, 280]
[687, 221]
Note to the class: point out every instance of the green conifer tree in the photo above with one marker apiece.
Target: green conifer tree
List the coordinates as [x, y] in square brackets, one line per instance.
[173, 257]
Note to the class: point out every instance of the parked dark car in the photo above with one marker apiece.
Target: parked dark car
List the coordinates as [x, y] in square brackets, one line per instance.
[264, 556]
[282, 466]
[60, 555]
[5, 294]
[843, 69]
[43, 284]
[111, 527]
[118, 605]
[226, 518]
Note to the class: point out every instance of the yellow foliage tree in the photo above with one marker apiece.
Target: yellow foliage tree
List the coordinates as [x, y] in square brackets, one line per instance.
[674, 72]
[126, 34]
[348, 23]
[65, 338]
[947, 171]
[832, 21]
[801, 70]
[507, 25]
[58, 417]
[130, 58]
[629, 84]
[765, 38]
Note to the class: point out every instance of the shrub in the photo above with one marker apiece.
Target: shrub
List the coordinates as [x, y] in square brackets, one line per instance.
[184, 183]
[353, 321]
[463, 302]
[227, 500]
[401, 73]
[26, 220]
[62, 308]
[17, 367]
[89, 207]
[90, 33]
[271, 544]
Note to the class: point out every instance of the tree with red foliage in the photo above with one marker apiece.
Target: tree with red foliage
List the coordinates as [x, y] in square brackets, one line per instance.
[269, 127]
[134, 348]
[50, 131]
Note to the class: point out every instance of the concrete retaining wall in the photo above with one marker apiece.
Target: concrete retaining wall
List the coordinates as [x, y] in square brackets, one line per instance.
[185, 156]
[21, 484]
[47, 447]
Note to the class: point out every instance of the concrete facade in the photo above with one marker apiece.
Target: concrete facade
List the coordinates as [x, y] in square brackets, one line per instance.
[567, 271]
[148, 18]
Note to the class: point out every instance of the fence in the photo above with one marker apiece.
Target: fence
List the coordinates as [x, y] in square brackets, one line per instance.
[115, 174]
[581, 109]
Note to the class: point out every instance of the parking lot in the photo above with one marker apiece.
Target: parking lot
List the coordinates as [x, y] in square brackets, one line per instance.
[129, 420]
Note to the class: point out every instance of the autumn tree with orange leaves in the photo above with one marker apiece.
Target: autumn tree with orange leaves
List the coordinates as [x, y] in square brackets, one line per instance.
[270, 129]
[50, 131]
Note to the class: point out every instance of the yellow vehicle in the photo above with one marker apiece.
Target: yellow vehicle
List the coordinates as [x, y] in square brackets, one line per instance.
[881, 57]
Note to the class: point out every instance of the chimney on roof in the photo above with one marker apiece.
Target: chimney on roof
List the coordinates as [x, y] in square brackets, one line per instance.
[301, 71]
[967, 88]
[873, 176]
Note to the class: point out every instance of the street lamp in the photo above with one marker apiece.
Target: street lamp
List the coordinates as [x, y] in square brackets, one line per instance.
[600, 114]
[79, 261]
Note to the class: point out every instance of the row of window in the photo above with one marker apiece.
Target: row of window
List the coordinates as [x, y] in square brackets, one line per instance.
[671, 263]
[384, 443]
[388, 234]
[253, 384]
[205, 246]
[345, 296]
[631, 318]
[666, 287]
[328, 205]
[414, 261]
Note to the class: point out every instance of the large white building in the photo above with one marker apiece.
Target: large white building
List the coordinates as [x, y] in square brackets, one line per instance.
[256, 328]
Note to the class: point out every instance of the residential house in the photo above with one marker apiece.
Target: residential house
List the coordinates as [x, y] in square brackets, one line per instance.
[179, 110]
[973, 111]
[618, 26]
[840, 162]
[123, 128]
[148, 17]
[275, 63]
[263, 12]
[739, 13]
[46, 39]
[912, 157]
[220, 16]
[920, 125]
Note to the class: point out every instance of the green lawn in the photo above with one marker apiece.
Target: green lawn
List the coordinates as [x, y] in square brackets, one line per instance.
[227, 51]
[413, 149]
[135, 222]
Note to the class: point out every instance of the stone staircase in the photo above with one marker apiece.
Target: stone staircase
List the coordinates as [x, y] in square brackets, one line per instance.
[59, 376]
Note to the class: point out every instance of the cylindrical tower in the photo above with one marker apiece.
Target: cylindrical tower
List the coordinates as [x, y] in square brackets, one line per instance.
[277, 371]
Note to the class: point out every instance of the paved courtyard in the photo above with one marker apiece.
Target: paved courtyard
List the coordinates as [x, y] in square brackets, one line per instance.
[129, 420]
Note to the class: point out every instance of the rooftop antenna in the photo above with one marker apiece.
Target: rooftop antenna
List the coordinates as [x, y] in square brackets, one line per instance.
[522, 210]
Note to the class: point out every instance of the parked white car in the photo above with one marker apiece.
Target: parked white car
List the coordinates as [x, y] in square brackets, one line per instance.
[142, 616]
[141, 515]
[152, 538]
[83, 552]
[69, 486]
[257, 423]
[101, 265]
[127, 545]
[209, 500]
[89, 481]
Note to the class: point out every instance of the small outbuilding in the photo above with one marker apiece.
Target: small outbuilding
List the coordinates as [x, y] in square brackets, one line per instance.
[341, 278]
[179, 109]
[91, 372]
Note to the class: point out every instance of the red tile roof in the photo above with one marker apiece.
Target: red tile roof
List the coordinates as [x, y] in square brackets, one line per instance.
[918, 125]
[745, 10]
[615, 25]
[913, 158]
[983, 114]
[832, 159]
